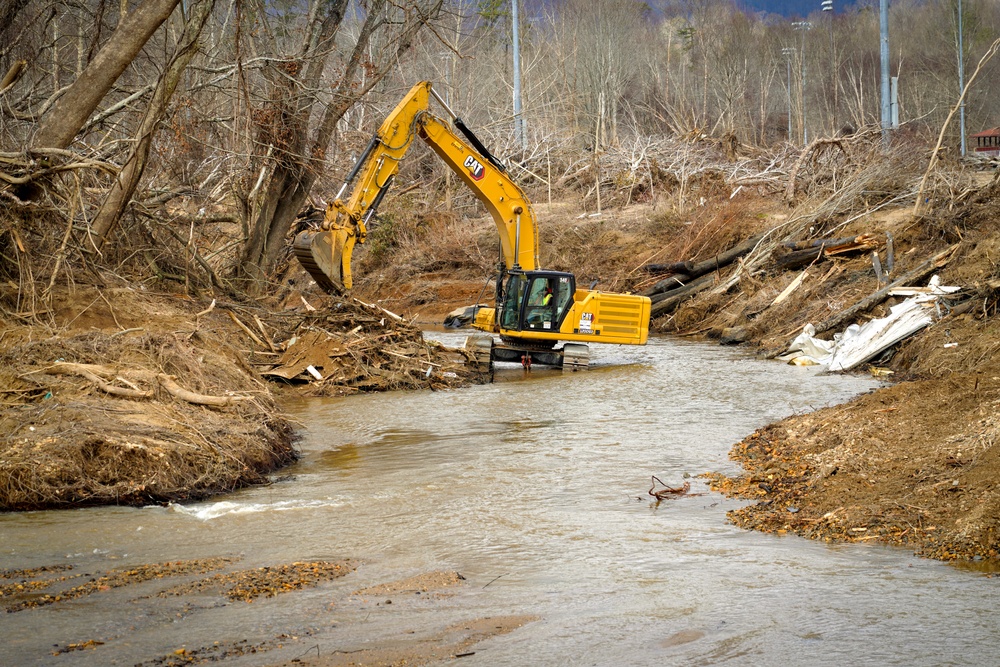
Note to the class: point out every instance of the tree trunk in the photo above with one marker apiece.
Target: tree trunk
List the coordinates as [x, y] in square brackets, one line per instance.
[128, 178]
[69, 113]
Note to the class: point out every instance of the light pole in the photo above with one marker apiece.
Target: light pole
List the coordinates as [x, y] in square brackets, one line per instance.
[883, 26]
[522, 139]
[788, 52]
[803, 27]
[827, 6]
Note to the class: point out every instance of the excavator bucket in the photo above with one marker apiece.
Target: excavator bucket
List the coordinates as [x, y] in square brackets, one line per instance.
[327, 258]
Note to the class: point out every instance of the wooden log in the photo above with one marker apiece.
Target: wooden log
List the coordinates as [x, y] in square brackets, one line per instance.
[919, 273]
[726, 258]
[12, 75]
[796, 259]
[698, 269]
[667, 284]
[672, 267]
[90, 372]
[175, 390]
[806, 252]
[668, 301]
[829, 243]
[681, 290]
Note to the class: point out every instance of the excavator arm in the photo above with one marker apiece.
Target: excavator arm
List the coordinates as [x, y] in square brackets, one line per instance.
[326, 253]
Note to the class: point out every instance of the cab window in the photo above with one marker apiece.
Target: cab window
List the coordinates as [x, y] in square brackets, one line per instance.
[511, 315]
[548, 299]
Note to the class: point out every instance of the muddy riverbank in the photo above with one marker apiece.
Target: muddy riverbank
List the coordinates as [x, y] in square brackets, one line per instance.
[127, 398]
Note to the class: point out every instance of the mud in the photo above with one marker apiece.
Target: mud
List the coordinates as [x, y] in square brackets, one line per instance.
[230, 586]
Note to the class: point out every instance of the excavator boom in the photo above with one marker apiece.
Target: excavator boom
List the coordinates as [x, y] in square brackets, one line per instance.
[327, 255]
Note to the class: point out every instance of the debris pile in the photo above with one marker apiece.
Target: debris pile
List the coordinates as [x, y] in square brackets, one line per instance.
[859, 343]
[349, 346]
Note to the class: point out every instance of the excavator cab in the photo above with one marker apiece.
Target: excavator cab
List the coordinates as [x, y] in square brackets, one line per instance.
[536, 300]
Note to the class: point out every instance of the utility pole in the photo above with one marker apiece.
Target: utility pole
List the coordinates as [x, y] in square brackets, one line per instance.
[961, 77]
[883, 24]
[788, 52]
[827, 6]
[522, 139]
[803, 27]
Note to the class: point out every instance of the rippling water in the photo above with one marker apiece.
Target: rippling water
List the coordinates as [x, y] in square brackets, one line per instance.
[535, 489]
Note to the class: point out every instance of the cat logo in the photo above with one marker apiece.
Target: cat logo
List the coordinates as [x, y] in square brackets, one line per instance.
[475, 169]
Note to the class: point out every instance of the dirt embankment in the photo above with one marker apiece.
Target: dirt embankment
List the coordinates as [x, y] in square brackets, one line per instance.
[914, 463]
[118, 396]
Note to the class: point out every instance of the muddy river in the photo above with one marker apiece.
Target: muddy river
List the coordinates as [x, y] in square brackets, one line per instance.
[533, 488]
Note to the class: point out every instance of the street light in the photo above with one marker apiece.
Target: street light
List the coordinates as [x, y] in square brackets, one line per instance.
[803, 27]
[827, 6]
[788, 52]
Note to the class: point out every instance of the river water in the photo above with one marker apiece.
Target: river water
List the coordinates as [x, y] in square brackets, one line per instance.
[534, 488]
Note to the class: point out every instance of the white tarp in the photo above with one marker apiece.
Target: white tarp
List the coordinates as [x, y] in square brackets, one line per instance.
[859, 343]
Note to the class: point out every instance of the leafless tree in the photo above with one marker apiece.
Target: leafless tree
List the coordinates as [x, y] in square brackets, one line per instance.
[309, 90]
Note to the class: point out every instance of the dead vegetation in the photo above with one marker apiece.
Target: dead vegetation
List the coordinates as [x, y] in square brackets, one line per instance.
[354, 346]
[69, 441]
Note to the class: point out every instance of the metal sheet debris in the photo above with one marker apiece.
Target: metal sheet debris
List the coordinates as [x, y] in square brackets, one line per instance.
[859, 343]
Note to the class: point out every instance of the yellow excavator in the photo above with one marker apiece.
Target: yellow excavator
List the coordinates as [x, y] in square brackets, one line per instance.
[534, 309]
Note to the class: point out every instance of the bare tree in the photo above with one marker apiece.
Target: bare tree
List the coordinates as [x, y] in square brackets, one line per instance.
[124, 185]
[67, 116]
[297, 123]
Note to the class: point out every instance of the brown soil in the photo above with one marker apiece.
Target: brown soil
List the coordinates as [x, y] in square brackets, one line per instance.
[912, 464]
